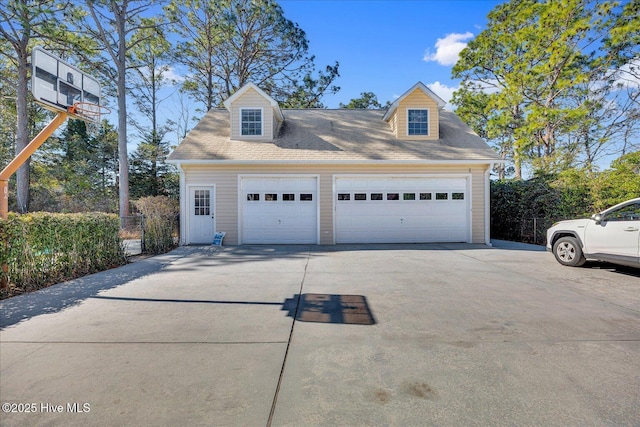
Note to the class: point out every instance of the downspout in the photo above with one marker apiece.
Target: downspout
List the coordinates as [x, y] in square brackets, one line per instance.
[487, 204]
[184, 210]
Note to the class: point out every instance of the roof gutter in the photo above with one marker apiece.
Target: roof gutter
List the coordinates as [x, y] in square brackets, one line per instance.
[183, 203]
[490, 162]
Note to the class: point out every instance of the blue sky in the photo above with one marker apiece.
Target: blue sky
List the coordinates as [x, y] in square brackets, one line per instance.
[385, 47]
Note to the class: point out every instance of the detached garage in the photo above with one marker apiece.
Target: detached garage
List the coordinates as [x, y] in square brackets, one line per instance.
[411, 174]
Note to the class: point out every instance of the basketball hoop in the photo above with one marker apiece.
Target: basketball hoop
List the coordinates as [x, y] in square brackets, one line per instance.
[88, 111]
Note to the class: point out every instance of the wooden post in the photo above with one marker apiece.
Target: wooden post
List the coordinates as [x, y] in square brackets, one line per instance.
[13, 166]
[4, 199]
[35, 143]
[4, 210]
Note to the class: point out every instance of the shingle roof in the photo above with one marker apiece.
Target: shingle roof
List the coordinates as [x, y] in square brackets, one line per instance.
[331, 135]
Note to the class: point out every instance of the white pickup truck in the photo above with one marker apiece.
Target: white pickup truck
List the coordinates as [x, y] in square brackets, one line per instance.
[612, 235]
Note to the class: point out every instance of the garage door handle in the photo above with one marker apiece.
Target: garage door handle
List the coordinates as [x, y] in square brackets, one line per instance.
[631, 229]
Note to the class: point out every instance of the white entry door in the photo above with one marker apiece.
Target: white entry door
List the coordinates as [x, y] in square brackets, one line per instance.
[279, 210]
[388, 209]
[202, 225]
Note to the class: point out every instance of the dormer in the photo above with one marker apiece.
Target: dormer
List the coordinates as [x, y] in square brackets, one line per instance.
[255, 116]
[415, 115]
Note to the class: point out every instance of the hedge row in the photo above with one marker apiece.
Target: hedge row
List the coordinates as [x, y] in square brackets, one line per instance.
[41, 249]
[523, 210]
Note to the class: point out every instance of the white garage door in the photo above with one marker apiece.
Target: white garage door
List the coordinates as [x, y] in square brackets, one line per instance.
[279, 210]
[401, 210]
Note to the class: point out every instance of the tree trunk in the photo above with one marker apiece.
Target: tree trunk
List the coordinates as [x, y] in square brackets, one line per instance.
[517, 164]
[22, 131]
[123, 158]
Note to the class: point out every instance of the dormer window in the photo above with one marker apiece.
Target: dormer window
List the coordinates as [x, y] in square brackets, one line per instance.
[254, 116]
[415, 115]
[418, 121]
[251, 121]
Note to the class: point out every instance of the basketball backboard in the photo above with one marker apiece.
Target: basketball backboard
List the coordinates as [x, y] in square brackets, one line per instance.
[59, 86]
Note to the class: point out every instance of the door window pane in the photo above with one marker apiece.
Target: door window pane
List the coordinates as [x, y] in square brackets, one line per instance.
[306, 197]
[201, 202]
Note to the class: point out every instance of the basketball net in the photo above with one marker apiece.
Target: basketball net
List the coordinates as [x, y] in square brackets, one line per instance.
[90, 113]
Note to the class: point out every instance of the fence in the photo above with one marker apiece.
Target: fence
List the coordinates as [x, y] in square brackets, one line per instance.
[149, 235]
[132, 234]
[535, 230]
[529, 230]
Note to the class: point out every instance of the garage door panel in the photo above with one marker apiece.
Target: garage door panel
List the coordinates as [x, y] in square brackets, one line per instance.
[428, 212]
[290, 217]
[393, 235]
[401, 184]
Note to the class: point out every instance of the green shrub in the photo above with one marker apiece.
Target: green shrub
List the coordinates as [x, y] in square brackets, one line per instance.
[159, 223]
[619, 183]
[523, 210]
[575, 187]
[41, 249]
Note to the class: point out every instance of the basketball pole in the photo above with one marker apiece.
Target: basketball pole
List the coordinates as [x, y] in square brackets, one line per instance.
[14, 165]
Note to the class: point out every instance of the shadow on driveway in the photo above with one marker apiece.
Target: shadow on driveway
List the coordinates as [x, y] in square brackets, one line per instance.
[315, 308]
[613, 268]
[58, 297]
[517, 246]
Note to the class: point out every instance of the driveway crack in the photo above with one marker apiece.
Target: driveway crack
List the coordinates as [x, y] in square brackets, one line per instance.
[286, 353]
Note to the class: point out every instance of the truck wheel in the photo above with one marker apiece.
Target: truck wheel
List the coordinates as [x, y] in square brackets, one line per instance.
[567, 251]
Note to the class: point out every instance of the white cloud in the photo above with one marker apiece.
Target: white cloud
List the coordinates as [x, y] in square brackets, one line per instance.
[170, 74]
[625, 78]
[443, 91]
[448, 49]
[628, 76]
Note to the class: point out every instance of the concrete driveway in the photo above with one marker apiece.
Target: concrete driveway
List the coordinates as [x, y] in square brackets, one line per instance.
[334, 336]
